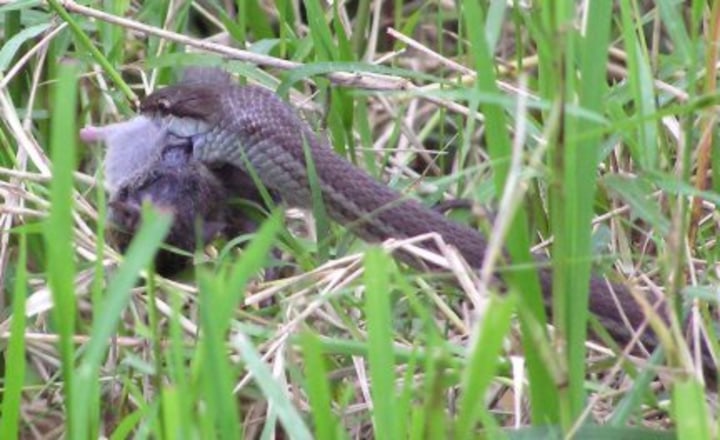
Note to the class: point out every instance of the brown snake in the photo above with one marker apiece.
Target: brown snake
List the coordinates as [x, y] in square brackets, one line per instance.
[251, 126]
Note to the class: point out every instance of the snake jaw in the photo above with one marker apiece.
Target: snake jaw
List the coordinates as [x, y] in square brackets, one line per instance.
[183, 127]
[180, 130]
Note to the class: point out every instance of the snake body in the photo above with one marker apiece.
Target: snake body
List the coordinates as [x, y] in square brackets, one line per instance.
[251, 127]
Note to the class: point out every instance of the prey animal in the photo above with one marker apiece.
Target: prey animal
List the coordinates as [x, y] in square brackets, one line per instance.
[143, 164]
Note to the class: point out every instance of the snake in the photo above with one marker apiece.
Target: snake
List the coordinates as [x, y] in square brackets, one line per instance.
[252, 128]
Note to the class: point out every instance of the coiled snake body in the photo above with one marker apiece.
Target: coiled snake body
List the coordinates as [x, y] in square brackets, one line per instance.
[249, 126]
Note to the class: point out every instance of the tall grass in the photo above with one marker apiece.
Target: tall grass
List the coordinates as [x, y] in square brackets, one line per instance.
[59, 227]
[585, 126]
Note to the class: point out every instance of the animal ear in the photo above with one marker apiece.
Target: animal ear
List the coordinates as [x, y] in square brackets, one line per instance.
[207, 75]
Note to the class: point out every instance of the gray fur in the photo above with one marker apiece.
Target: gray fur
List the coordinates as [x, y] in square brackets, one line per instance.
[131, 145]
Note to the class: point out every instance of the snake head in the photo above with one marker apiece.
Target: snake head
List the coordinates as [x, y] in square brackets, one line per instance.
[185, 100]
[185, 111]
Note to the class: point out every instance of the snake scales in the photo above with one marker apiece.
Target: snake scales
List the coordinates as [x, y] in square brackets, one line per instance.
[249, 126]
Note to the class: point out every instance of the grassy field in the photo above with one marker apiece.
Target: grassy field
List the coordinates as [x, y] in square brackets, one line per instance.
[584, 129]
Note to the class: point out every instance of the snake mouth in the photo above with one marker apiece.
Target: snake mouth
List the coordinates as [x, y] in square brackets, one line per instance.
[186, 133]
[183, 127]
[174, 141]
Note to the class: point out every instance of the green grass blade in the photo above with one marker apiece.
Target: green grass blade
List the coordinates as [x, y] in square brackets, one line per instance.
[320, 32]
[630, 403]
[405, 407]
[637, 193]
[580, 161]
[481, 367]
[673, 21]
[255, 256]
[219, 300]
[216, 371]
[171, 412]
[378, 267]
[289, 416]
[322, 222]
[11, 46]
[318, 388]
[127, 426]
[641, 85]
[258, 20]
[112, 36]
[691, 412]
[15, 356]
[176, 369]
[139, 255]
[590, 432]
[518, 240]
[59, 226]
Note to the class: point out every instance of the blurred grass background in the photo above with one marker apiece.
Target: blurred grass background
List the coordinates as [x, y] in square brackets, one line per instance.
[585, 127]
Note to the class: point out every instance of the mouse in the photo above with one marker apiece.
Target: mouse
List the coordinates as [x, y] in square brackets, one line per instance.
[145, 165]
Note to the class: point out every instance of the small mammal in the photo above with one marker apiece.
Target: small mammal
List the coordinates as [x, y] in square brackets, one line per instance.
[143, 165]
